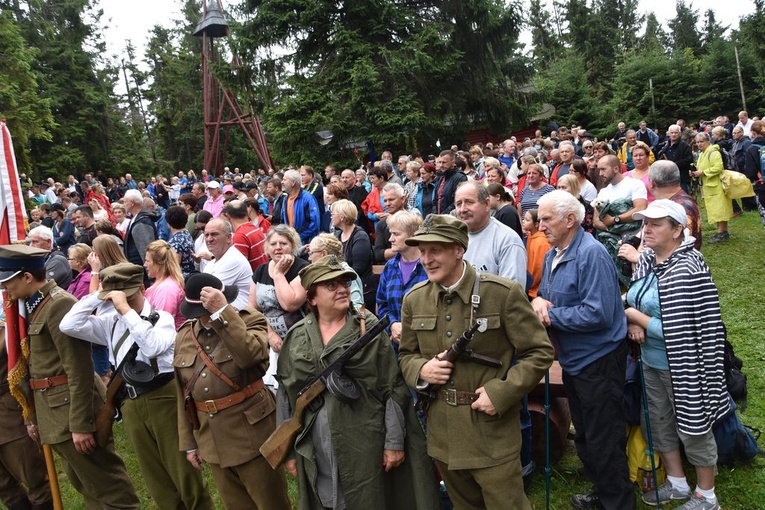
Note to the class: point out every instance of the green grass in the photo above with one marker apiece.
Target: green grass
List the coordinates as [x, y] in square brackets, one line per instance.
[737, 268]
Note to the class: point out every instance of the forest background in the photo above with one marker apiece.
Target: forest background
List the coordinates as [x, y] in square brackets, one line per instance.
[399, 73]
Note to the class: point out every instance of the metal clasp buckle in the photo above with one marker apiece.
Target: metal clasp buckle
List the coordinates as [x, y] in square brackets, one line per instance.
[130, 389]
[451, 397]
[210, 407]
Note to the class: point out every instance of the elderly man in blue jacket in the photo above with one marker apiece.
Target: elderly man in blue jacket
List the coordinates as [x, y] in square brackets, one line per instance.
[300, 210]
[580, 304]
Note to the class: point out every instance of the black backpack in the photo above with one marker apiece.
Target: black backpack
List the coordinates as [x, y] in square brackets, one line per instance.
[734, 377]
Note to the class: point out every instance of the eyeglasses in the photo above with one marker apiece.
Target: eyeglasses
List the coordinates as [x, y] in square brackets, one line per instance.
[335, 284]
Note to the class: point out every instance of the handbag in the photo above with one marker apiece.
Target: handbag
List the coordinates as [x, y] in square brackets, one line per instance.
[735, 184]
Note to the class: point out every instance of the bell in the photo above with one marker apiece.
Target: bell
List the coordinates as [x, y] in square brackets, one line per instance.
[212, 24]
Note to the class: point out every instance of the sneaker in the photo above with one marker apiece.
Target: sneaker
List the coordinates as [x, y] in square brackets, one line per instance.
[699, 502]
[720, 236]
[667, 493]
[585, 501]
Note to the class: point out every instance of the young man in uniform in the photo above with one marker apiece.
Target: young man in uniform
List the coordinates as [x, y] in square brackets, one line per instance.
[473, 428]
[67, 392]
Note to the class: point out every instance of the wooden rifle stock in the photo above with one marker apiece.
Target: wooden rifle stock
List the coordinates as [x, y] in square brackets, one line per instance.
[278, 445]
[105, 417]
[281, 441]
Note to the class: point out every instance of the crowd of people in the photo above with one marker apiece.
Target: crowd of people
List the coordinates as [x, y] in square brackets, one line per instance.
[217, 299]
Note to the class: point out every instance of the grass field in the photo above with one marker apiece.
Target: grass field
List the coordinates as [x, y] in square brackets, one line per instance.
[737, 268]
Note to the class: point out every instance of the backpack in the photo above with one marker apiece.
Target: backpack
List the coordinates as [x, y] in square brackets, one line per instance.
[761, 150]
[735, 441]
[729, 162]
[734, 377]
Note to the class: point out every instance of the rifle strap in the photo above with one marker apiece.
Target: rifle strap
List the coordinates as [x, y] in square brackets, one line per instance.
[475, 299]
[363, 319]
[211, 365]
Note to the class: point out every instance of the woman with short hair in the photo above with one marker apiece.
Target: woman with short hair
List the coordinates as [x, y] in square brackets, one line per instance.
[674, 314]
[357, 247]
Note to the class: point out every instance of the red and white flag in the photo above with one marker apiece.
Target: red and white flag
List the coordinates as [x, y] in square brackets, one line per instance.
[12, 214]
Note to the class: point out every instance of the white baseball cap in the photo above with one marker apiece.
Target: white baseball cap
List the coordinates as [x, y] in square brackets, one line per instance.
[663, 209]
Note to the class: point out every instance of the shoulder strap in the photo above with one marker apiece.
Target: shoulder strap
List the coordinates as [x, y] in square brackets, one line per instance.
[211, 365]
[475, 299]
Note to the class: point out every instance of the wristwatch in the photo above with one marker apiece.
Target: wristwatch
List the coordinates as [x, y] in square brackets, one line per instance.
[617, 220]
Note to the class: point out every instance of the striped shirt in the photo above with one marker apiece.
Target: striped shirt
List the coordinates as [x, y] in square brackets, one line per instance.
[251, 242]
[694, 336]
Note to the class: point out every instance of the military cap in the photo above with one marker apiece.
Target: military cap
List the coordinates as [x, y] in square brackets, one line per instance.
[441, 228]
[191, 306]
[126, 277]
[17, 258]
[323, 270]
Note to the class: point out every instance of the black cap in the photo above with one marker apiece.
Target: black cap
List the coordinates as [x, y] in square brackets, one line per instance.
[191, 306]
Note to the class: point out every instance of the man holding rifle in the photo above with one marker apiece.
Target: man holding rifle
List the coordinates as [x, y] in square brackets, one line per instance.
[143, 382]
[67, 391]
[473, 428]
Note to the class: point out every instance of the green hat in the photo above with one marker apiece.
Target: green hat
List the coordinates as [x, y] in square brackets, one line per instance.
[441, 228]
[323, 270]
[17, 258]
[126, 277]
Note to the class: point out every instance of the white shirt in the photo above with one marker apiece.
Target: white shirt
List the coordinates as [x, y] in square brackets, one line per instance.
[588, 191]
[156, 341]
[497, 249]
[746, 127]
[627, 189]
[200, 246]
[233, 269]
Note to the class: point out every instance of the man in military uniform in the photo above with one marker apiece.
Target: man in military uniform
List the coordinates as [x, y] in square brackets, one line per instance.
[473, 428]
[224, 411]
[148, 408]
[67, 391]
[23, 480]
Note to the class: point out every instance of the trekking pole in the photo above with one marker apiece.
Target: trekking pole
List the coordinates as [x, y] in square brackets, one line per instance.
[547, 440]
[648, 427]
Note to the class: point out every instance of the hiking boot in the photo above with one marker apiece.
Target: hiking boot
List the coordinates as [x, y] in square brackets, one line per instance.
[699, 502]
[585, 501]
[720, 236]
[667, 493]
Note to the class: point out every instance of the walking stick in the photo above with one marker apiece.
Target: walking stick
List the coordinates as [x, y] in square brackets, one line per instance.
[648, 426]
[547, 439]
[50, 466]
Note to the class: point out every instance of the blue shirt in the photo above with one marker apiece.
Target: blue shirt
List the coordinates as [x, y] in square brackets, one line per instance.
[587, 316]
[392, 288]
[644, 297]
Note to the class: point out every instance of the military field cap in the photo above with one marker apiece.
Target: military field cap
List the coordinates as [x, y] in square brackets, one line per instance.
[323, 270]
[17, 258]
[126, 277]
[441, 228]
[191, 306]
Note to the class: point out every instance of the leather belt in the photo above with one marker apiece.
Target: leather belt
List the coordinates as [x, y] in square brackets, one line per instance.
[457, 398]
[48, 382]
[219, 404]
[158, 382]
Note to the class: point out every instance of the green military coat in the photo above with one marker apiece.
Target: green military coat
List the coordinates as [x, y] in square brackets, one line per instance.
[71, 407]
[238, 346]
[358, 428]
[431, 320]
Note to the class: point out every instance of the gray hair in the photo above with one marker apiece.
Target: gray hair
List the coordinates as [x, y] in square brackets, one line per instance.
[675, 127]
[481, 191]
[664, 173]
[42, 231]
[286, 232]
[394, 186]
[704, 136]
[386, 165]
[134, 196]
[292, 175]
[563, 203]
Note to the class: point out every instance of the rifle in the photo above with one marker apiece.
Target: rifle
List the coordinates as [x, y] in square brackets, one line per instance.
[105, 417]
[458, 349]
[278, 445]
